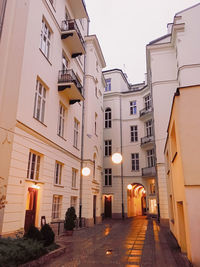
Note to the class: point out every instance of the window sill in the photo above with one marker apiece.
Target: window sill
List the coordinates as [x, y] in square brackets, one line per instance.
[45, 56]
[74, 188]
[107, 186]
[40, 121]
[135, 170]
[34, 181]
[59, 185]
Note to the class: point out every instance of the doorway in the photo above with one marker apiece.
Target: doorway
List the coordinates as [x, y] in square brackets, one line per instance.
[31, 206]
[108, 207]
[181, 225]
[136, 200]
[94, 208]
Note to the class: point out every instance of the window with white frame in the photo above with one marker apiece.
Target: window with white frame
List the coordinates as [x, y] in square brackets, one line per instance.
[74, 202]
[33, 170]
[107, 147]
[76, 133]
[74, 177]
[45, 39]
[147, 102]
[108, 85]
[133, 107]
[56, 207]
[149, 128]
[58, 173]
[61, 120]
[150, 158]
[134, 133]
[108, 118]
[40, 102]
[135, 162]
[108, 177]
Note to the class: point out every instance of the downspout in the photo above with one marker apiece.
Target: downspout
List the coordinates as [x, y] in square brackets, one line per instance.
[122, 182]
[82, 138]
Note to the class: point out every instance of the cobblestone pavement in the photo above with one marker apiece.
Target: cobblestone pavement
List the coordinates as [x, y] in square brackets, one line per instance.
[132, 242]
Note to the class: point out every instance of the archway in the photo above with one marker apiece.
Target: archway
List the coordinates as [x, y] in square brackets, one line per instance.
[136, 200]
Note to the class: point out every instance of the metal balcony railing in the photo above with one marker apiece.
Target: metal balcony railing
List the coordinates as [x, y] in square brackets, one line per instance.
[145, 111]
[70, 25]
[68, 76]
[147, 140]
[149, 171]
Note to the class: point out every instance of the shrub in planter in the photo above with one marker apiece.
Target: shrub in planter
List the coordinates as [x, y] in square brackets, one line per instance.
[48, 235]
[33, 233]
[70, 217]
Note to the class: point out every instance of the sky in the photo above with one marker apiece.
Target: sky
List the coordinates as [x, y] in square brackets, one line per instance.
[125, 27]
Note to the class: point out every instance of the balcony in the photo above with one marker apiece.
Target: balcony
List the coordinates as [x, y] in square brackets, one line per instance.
[146, 140]
[71, 36]
[149, 171]
[78, 8]
[145, 111]
[69, 84]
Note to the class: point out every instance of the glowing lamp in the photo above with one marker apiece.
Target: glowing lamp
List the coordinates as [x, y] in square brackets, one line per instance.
[85, 171]
[117, 158]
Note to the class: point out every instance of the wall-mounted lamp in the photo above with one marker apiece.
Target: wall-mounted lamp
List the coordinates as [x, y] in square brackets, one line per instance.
[129, 186]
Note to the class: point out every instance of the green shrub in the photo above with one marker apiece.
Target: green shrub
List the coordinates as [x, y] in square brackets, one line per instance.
[33, 233]
[14, 252]
[48, 235]
[70, 217]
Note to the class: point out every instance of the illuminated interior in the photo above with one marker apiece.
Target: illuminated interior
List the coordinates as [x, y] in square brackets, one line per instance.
[136, 200]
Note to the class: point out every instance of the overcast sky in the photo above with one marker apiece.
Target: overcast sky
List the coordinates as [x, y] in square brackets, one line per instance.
[124, 27]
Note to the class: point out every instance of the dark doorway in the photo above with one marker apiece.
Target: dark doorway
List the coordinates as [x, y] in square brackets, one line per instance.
[143, 202]
[94, 208]
[31, 206]
[108, 211]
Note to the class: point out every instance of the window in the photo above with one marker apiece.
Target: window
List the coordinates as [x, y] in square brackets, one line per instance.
[56, 207]
[135, 161]
[149, 128]
[45, 39]
[33, 166]
[96, 92]
[108, 177]
[58, 173]
[173, 142]
[61, 120]
[134, 133]
[108, 85]
[74, 202]
[40, 101]
[2, 13]
[147, 102]
[150, 158]
[152, 188]
[133, 107]
[76, 133]
[74, 176]
[64, 62]
[95, 124]
[108, 118]
[107, 147]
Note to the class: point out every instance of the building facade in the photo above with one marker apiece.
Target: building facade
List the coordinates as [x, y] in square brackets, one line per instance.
[128, 129]
[42, 88]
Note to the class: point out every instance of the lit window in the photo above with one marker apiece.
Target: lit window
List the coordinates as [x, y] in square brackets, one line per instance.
[134, 133]
[40, 101]
[74, 177]
[76, 133]
[61, 121]
[45, 39]
[56, 207]
[152, 188]
[33, 166]
[135, 161]
[108, 85]
[108, 177]
[150, 158]
[133, 107]
[107, 147]
[108, 118]
[58, 173]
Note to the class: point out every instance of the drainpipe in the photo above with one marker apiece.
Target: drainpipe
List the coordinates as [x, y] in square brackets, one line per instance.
[122, 182]
[82, 138]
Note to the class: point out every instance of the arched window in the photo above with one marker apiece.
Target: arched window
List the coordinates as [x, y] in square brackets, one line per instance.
[108, 118]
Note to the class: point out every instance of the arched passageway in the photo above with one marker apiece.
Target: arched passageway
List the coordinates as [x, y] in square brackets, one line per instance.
[136, 200]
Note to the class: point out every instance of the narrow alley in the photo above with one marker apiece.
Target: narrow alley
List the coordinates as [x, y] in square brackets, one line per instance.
[132, 242]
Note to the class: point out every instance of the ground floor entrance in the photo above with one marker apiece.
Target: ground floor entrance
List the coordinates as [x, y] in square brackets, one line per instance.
[108, 206]
[31, 206]
[136, 200]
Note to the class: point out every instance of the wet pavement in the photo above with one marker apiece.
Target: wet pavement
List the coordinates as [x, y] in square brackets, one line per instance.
[130, 242]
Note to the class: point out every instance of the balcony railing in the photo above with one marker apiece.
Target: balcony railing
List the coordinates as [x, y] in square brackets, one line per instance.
[149, 171]
[68, 79]
[145, 111]
[67, 28]
[147, 140]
